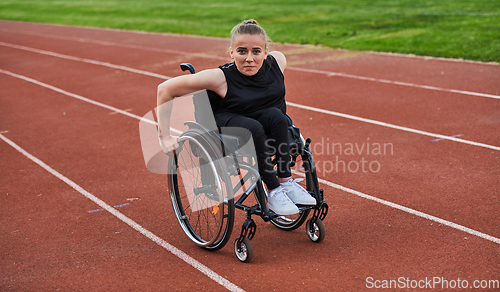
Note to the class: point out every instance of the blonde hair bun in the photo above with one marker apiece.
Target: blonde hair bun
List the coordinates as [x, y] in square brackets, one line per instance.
[250, 21]
[249, 26]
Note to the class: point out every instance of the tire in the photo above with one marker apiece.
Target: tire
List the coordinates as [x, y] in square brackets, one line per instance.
[201, 191]
[244, 251]
[316, 231]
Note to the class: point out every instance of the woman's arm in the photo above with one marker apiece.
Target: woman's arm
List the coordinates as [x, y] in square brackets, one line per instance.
[212, 79]
[280, 58]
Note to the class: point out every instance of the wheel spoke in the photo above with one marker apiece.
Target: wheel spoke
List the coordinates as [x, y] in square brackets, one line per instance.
[199, 181]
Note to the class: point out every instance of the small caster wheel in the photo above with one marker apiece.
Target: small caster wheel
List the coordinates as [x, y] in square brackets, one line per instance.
[316, 231]
[244, 251]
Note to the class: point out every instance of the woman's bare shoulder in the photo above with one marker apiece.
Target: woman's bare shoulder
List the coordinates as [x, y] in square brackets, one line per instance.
[215, 75]
[280, 58]
[213, 79]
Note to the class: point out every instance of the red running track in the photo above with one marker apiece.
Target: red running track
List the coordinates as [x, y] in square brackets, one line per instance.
[426, 209]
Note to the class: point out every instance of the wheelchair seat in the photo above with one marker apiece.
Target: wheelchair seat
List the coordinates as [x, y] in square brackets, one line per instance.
[233, 143]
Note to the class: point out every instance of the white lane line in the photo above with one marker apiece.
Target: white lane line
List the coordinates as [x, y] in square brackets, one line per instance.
[122, 45]
[175, 251]
[374, 122]
[387, 203]
[407, 210]
[289, 103]
[412, 211]
[113, 109]
[429, 58]
[159, 34]
[155, 34]
[331, 73]
[89, 61]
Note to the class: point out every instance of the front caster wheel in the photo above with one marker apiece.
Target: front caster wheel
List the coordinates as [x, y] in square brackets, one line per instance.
[316, 231]
[244, 250]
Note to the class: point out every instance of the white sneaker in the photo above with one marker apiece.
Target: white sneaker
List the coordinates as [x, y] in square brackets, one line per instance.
[297, 193]
[280, 203]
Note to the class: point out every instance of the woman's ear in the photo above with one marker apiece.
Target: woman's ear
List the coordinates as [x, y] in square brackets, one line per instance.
[231, 52]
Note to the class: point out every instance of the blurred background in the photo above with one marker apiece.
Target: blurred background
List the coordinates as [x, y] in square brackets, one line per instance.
[461, 29]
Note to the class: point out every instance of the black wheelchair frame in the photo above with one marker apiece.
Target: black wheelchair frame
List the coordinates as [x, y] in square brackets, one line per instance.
[205, 175]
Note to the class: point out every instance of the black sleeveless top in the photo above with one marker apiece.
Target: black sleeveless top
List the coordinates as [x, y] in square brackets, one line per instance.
[250, 96]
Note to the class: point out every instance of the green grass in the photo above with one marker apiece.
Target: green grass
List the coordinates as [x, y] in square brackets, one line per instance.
[467, 29]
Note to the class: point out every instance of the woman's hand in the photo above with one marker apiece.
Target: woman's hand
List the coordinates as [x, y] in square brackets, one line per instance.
[168, 143]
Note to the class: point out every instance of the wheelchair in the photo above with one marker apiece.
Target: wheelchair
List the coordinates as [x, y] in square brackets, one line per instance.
[210, 166]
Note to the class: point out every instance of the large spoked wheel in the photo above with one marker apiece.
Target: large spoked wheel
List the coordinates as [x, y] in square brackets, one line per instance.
[201, 192]
[244, 250]
[301, 171]
[316, 231]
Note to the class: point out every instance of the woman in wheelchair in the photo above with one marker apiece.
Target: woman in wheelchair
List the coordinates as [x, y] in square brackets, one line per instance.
[249, 93]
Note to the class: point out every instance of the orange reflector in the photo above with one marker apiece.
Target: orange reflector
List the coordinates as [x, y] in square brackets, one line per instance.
[215, 210]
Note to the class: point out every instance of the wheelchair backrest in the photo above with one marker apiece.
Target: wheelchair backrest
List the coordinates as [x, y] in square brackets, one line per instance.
[203, 113]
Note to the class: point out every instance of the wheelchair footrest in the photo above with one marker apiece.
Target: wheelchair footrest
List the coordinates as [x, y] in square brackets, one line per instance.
[266, 215]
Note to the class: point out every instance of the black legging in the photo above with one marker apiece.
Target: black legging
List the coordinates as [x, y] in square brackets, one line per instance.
[270, 136]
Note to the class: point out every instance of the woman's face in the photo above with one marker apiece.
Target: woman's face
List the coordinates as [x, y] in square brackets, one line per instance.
[248, 52]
